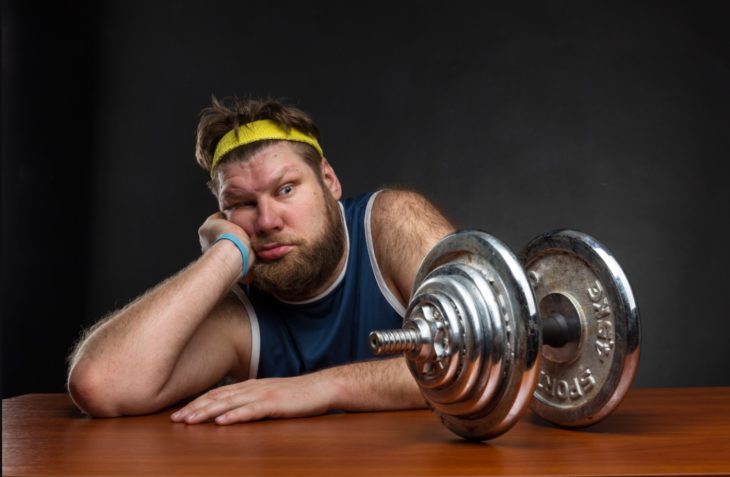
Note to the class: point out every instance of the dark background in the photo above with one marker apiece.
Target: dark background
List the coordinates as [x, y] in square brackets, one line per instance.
[608, 117]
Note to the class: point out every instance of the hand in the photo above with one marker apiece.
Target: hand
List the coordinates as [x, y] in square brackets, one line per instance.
[217, 224]
[258, 399]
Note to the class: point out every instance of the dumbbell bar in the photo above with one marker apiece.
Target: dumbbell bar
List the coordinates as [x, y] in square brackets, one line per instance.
[485, 334]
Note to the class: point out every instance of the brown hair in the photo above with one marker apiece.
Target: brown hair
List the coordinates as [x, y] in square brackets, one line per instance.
[231, 113]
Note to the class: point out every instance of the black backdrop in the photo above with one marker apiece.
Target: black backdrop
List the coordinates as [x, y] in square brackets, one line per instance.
[608, 117]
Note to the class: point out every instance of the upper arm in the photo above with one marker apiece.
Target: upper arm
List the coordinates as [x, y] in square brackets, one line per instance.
[220, 347]
[405, 226]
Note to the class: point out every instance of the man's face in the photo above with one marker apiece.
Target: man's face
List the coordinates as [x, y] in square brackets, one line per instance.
[291, 216]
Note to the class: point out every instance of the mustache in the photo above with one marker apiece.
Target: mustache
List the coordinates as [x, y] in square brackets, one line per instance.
[258, 242]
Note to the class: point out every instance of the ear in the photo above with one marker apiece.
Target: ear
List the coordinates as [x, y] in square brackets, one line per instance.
[330, 180]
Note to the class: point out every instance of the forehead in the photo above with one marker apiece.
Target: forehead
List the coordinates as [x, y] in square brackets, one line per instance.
[268, 163]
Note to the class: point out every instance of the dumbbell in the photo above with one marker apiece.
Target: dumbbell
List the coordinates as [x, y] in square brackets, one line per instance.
[487, 333]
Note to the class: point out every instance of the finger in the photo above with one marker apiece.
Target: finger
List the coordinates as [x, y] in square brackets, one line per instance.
[221, 392]
[254, 411]
[210, 410]
[216, 215]
[209, 405]
[210, 225]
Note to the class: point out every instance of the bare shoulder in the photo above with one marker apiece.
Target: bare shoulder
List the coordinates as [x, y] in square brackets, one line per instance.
[407, 218]
[405, 226]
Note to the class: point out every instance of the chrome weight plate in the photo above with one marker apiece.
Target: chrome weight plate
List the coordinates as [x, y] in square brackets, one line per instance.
[574, 275]
[470, 335]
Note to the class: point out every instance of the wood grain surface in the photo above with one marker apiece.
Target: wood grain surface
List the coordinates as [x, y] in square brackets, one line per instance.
[657, 431]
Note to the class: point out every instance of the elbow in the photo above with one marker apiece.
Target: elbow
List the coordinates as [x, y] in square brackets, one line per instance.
[100, 393]
[90, 393]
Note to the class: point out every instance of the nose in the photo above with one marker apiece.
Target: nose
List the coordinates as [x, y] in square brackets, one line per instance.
[268, 219]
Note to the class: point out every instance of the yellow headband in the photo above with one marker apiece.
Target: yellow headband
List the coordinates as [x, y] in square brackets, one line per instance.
[258, 131]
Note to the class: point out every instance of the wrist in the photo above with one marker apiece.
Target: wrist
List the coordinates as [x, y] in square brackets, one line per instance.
[225, 258]
[337, 385]
[242, 249]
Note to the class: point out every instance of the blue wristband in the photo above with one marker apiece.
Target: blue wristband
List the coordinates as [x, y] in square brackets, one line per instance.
[241, 248]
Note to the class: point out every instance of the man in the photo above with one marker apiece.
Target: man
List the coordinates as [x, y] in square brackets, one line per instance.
[280, 302]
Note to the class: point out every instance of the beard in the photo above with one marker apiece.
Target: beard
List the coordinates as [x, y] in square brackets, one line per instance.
[300, 273]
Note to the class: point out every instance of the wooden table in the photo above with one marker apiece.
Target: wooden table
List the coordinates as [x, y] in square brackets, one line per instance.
[654, 431]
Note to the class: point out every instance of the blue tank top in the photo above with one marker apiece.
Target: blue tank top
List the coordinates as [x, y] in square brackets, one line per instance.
[290, 339]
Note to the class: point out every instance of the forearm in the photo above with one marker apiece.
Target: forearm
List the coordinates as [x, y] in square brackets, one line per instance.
[132, 354]
[378, 385]
[363, 386]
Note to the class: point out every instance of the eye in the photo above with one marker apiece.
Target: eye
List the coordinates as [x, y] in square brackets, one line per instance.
[239, 205]
[286, 190]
